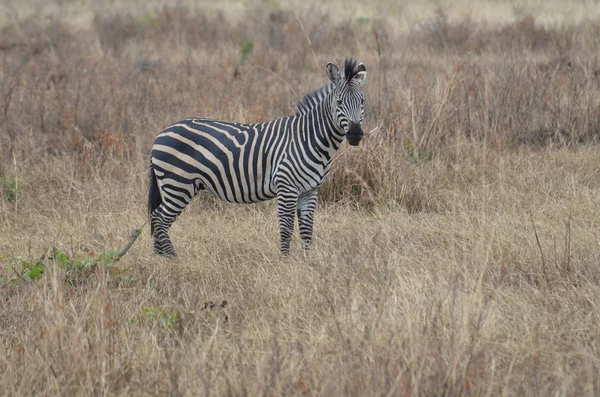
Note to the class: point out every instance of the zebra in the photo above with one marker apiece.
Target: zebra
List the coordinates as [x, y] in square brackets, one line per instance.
[287, 158]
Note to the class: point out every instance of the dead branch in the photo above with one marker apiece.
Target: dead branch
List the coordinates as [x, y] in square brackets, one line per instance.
[541, 250]
[132, 237]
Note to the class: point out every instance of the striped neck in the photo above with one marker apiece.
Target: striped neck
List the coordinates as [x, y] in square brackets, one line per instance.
[323, 133]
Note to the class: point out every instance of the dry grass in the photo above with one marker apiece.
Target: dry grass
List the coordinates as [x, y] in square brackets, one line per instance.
[456, 248]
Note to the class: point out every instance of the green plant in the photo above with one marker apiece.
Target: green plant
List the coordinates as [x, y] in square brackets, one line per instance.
[148, 19]
[168, 317]
[9, 188]
[246, 48]
[75, 268]
[77, 265]
[363, 20]
[25, 269]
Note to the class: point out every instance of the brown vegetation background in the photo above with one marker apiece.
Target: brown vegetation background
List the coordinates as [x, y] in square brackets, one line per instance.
[457, 247]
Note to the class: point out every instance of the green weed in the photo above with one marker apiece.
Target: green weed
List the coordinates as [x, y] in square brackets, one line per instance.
[246, 47]
[74, 268]
[9, 188]
[168, 317]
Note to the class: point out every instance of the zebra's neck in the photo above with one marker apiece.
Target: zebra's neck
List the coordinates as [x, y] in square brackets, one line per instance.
[318, 128]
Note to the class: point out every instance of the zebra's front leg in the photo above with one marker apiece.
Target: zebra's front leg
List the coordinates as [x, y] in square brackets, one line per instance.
[286, 204]
[306, 211]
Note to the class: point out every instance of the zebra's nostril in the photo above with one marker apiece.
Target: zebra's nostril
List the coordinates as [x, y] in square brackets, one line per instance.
[354, 131]
[354, 134]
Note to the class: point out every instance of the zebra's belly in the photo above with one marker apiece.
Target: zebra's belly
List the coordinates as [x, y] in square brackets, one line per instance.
[249, 200]
[240, 197]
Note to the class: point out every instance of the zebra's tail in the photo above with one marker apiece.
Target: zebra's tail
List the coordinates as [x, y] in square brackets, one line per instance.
[154, 198]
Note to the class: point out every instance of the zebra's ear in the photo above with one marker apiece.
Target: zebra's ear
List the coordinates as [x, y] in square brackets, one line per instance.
[361, 75]
[333, 73]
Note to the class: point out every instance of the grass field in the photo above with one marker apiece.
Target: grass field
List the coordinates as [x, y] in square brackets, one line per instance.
[457, 248]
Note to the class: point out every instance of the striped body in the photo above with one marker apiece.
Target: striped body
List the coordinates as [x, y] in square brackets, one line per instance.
[237, 162]
[287, 158]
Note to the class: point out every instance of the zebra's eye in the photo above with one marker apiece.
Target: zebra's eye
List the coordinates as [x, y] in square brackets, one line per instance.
[339, 100]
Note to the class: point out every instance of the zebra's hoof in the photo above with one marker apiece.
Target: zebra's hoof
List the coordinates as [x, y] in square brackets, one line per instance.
[166, 255]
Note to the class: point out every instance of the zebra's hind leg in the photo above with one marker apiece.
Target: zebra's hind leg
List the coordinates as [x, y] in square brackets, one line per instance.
[161, 220]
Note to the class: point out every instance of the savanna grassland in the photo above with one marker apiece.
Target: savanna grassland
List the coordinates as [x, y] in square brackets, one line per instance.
[456, 249]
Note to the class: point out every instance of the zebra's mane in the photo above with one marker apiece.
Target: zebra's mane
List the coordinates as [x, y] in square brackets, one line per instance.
[349, 70]
[312, 99]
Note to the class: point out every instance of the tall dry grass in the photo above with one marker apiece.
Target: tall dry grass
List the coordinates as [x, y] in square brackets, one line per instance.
[456, 249]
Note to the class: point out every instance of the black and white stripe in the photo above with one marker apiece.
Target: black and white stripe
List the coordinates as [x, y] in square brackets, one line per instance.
[287, 158]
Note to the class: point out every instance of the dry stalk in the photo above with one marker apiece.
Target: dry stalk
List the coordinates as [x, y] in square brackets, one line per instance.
[361, 181]
[307, 39]
[441, 105]
[132, 238]
[537, 239]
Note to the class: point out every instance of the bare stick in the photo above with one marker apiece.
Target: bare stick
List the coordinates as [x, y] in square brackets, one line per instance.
[171, 376]
[439, 110]
[540, 247]
[16, 182]
[568, 246]
[361, 181]
[43, 256]
[132, 237]
[307, 39]
[382, 72]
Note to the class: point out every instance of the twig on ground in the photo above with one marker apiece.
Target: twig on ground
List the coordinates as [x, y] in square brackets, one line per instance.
[132, 237]
[541, 251]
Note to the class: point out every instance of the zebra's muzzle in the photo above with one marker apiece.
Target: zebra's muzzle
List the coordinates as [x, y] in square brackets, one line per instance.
[354, 134]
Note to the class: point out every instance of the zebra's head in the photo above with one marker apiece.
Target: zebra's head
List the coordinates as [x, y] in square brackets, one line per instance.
[347, 99]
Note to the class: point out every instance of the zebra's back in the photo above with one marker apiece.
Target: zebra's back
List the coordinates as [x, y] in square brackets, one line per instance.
[232, 160]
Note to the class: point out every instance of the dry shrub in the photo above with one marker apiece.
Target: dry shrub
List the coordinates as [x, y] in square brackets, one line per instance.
[525, 34]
